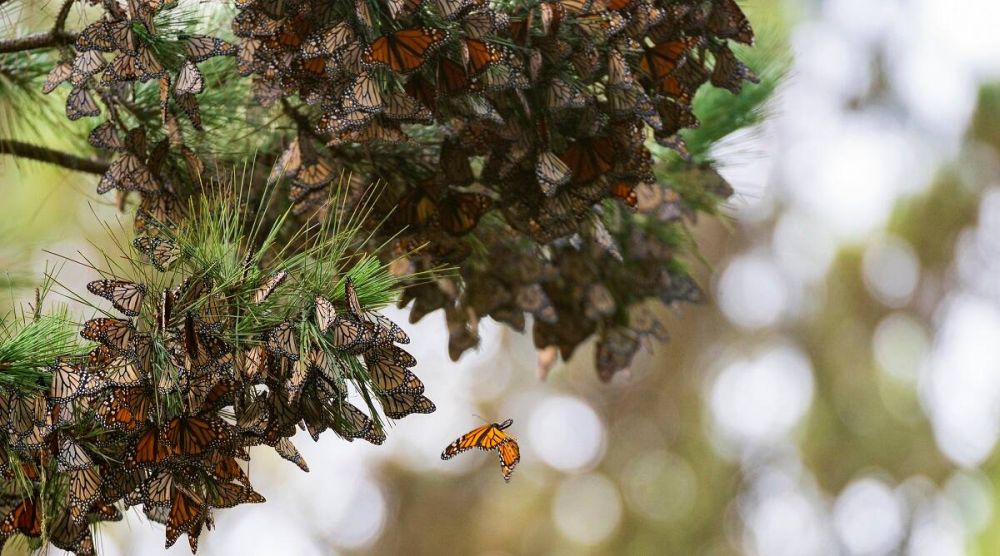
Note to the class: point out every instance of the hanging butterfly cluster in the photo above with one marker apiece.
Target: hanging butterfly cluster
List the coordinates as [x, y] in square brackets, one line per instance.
[112, 59]
[504, 128]
[184, 382]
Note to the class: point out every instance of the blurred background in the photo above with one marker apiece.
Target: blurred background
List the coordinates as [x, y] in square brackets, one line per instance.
[839, 394]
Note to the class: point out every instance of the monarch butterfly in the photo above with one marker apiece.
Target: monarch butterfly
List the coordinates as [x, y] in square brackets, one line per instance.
[64, 533]
[624, 191]
[160, 252]
[72, 456]
[337, 122]
[228, 495]
[125, 409]
[481, 55]
[364, 94]
[125, 296]
[267, 288]
[453, 9]
[533, 299]
[404, 51]
[158, 491]
[328, 42]
[684, 81]
[25, 518]
[351, 423]
[399, 405]
[452, 78]
[185, 517]
[288, 451]
[69, 381]
[255, 363]
[388, 368]
[189, 105]
[401, 106]
[489, 437]
[149, 449]
[602, 25]
[114, 333]
[200, 48]
[281, 341]
[255, 24]
[124, 372]
[589, 159]
[190, 436]
[660, 60]
[104, 136]
[84, 490]
[551, 172]
[95, 37]
[189, 79]
[727, 21]
[128, 173]
[61, 72]
[560, 95]
[484, 23]
[730, 73]
[85, 65]
[614, 351]
[80, 103]
[297, 381]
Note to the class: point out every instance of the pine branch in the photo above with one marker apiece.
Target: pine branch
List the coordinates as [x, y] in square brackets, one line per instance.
[59, 158]
[56, 37]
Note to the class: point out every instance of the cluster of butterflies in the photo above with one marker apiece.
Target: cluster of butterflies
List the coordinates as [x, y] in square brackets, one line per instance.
[162, 411]
[108, 60]
[509, 124]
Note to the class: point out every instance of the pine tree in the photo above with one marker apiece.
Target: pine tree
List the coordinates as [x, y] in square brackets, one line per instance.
[294, 166]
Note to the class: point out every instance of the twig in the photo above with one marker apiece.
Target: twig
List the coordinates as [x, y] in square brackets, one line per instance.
[56, 37]
[35, 41]
[59, 158]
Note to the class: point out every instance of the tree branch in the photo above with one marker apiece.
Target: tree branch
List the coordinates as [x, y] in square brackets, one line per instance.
[59, 158]
[56, 37]
[35, 41]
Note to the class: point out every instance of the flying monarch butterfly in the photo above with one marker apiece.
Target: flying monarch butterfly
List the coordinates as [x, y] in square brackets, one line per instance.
[160, 252]
[404, 51]
[489, 437]
[401, 404]
[189, 79]
[128, 173]
[589, 159]
[125, 296]
[281, 341]
[114, 333]
[201, 47]
[80, 103]
[268, 286]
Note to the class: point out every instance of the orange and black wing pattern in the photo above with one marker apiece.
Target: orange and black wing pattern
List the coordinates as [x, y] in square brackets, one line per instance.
[489, 437]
